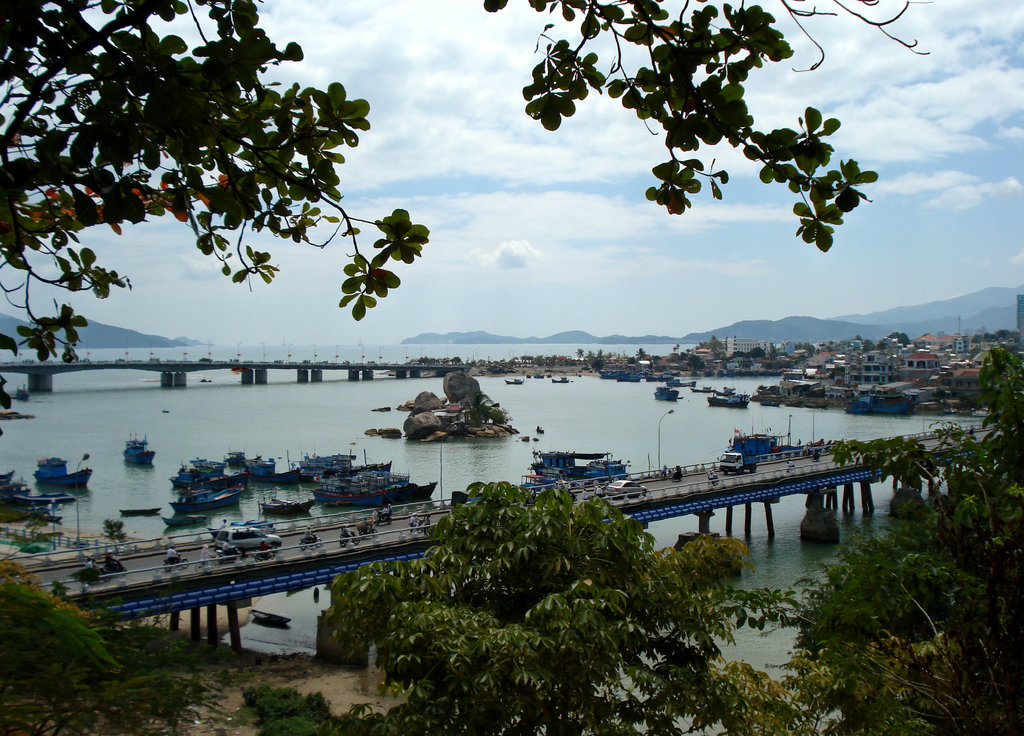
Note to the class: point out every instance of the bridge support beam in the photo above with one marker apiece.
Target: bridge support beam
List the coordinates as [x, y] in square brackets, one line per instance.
[40, 383]
[166, 380]
[301, 375]
[831, 500]
[819, 523]
[769, 522]
[367, 374]
[353, 375]
[260, 376]
[180, 379]
[400, 373]
[247, 377]
[316, 375]
[867, 503]
[728, 520]
[848, 498]
[415, 373]
[193, 623]
[175, 620]
[746, 520]
[704, 521]
[233, 629]
[211, 625]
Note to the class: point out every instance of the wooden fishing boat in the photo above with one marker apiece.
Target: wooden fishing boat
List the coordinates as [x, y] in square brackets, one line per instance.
[202, 500]
[140, 512]
[265, 618]
[186, 520]
[281, 507]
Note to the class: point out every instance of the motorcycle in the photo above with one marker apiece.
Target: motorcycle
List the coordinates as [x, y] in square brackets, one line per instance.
[111, 565]
[179, 560]
[311, 542]
[382, 517]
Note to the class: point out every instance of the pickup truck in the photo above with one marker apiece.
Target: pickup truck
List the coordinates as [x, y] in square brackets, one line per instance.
[736, 462]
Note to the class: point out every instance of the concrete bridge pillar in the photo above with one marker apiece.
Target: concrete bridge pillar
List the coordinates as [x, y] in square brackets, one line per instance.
[260, 376]
[40, 382]
[316, 375]
[166, 380]
[400, 373]
[704, 521]
[211, 625]
[848, 498]
[353, 375]
[769, 522]
[247, 377]
[367, 374]
[819, 523]
[414, 373]
[867, 503]
[193, 624]
[728, 520]
[301, 375]
[180, 379]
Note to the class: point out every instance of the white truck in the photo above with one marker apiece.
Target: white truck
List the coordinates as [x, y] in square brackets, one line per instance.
[736, 462]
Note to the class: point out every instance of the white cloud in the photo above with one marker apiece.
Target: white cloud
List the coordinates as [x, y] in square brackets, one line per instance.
[512, 254]
[968, 196]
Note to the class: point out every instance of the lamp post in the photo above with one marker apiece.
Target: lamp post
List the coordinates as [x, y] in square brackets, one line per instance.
[78, 521]
[670, 411]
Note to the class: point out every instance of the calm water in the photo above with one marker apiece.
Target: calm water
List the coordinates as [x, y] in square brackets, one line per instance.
[95, 413]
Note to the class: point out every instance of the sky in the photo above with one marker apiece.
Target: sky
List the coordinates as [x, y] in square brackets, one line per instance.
[535, 232]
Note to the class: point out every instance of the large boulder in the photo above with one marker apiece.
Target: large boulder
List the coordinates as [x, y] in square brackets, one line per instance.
[460, 386]
[421, 425]
[426, 401]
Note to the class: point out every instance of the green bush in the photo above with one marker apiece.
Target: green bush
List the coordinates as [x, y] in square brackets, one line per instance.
[283, 711]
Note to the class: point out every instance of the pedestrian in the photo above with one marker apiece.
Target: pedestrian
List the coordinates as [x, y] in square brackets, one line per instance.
[789, 466]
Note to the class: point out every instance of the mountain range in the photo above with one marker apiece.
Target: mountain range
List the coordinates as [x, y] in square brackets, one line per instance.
[987, 310]
[98, 335]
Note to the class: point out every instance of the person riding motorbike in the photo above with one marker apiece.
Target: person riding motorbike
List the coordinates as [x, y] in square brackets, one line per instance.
[265, 551]
[111, 563]
[172, 557]
[309, 539]
[384, 515]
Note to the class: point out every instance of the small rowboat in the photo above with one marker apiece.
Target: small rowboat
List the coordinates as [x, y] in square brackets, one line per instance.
[140, 512]
[270, 619]
[186, 520]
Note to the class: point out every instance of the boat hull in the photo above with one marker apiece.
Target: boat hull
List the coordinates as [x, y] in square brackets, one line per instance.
[202, 500]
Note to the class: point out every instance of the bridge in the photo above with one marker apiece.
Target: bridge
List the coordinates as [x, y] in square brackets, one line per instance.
[148, 587]
[173, 373]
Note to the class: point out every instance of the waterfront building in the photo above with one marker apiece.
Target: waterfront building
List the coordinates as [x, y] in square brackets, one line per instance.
[745, 345]
[871, 368]
[1020, 314]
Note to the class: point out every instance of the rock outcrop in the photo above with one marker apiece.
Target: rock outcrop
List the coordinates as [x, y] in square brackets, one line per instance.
[421, 425]
[426, 401]
[391, 433]
[460, 386]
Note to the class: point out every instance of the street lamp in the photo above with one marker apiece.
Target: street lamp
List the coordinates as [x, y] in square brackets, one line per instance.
[670, 411]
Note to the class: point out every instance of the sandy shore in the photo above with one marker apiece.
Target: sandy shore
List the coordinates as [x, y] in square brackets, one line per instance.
[341, 686]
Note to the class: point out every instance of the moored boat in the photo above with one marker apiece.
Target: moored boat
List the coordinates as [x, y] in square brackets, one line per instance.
[732, 401]
[235, 459]
[54, 471]
[43, 499]
[874, 402]
[559, 465]
[137, 451]
[666, 393]
[282, 507]
[265, 471]
[209, 499]
[190, 478]
[140, 512]
[186, 520]
[560, 379]
[514, 381]
[269, 619]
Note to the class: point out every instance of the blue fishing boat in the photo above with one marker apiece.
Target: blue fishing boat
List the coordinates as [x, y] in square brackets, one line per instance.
[190, 478]
[54, 471]
[560, 379]
[6, 477]
[137, 451]
[367, 489]
[729, 400]
[879, 403]
[12, 488]
[666, 393]
[235, 459]
[265, 471]
[43, 499]
[558, 465]
[312, 467]
[202, 500]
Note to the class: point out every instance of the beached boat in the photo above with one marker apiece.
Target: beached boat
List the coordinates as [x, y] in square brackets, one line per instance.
[666, 393]
[281, 507]
[140, 512]
[879, 403]
[732, 401]
[269, 619]
[137, 451]
[202, 500]
[54, 471]
[186, 520]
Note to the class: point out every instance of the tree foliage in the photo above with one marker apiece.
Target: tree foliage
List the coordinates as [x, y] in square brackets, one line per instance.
[540, 615]
[922, 630]
[67, 671]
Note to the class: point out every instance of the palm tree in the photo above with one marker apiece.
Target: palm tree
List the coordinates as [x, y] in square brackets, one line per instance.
[481, 410]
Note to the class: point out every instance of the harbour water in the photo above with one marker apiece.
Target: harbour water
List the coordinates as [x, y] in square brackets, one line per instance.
[96, 412]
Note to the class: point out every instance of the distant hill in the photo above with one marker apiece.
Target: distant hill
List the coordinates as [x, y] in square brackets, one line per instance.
[988, 310]
[573, 337]
[98, 335]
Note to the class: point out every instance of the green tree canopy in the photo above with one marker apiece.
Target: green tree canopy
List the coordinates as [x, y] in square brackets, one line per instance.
[540, 615]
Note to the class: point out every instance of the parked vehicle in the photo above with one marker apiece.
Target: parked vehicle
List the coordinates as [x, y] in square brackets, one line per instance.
[737, 462]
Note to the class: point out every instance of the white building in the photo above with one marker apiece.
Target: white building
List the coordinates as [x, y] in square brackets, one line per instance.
[745, 345]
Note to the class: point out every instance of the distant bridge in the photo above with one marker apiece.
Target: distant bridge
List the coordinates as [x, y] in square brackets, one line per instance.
[173, 372]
